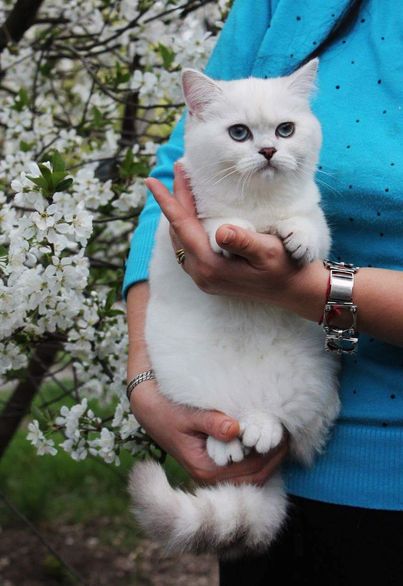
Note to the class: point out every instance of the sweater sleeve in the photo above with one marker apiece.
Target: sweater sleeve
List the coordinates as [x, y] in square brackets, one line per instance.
[232, 58]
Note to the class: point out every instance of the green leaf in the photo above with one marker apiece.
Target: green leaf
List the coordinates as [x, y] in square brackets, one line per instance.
[98, 118]
[47, 175]
[57, 162]
[58, 176]
[113, 312]
[110, 299]
[121, 75]
[168, 56]
[25, 147]
[145, 5]
[46, 68]
[64, 185]
[130, 168]
[38, 181]
[22, 100]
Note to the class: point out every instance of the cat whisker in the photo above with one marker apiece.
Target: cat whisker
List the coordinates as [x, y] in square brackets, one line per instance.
[325, 173]
[228, 170]
[235, 170]
[318, 180]
[214, 164]
[321, 182]
[247, 177]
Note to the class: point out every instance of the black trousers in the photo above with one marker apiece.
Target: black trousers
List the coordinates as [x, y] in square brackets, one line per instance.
[326, 545]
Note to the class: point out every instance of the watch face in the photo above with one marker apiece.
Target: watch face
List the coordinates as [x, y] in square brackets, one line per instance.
[337, 343]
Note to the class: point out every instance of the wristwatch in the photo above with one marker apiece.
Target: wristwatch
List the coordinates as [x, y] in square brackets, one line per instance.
[339, 300]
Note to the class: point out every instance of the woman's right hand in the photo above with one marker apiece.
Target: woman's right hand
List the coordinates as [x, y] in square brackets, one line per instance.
[182, 432]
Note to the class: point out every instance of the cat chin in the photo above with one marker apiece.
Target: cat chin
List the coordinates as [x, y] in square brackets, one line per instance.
[271, 172]
[268, 172]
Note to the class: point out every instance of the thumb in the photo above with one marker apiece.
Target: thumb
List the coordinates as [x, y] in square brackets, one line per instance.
[221, 426]
[254, 247]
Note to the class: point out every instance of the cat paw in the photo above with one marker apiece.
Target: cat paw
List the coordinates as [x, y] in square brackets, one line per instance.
[299, 239]
[211, 226]
[223, 453]
[261, 431]
[217, 249]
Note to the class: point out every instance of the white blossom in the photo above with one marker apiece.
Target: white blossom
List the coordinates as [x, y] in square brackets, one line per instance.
[104, 446]
[69, 184]
[35, 436]
[129, 427]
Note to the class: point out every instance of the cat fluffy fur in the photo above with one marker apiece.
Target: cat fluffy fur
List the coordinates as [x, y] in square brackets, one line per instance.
[260, 364]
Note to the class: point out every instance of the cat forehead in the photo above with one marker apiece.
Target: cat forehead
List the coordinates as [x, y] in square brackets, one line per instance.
[261, 101]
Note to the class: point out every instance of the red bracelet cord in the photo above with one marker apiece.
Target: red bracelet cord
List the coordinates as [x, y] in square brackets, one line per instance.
[334, 312]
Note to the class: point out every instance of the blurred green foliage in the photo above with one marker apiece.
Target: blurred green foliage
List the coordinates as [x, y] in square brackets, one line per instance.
[56, 489]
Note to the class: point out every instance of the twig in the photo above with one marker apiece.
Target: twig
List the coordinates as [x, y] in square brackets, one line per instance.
[35, 531]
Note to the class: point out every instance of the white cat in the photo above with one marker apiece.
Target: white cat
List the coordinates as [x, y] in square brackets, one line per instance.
[251, 147]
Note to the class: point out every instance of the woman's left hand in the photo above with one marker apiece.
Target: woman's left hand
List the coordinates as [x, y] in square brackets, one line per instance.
[260, 269]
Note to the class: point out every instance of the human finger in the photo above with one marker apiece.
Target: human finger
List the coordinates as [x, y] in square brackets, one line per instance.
[256, 248]
[171, 208]
[182, 190]
[176, 243]
[188, 228]
[214, 423]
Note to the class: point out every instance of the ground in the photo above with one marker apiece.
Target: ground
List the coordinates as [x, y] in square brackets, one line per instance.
[82, 511]
[99, 553]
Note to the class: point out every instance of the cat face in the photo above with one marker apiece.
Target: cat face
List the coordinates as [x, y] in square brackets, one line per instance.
[259, 129]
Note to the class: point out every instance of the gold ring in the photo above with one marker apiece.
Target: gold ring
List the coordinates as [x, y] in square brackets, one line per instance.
[180, 255]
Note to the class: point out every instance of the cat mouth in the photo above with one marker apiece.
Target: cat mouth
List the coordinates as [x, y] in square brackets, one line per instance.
[268, 167]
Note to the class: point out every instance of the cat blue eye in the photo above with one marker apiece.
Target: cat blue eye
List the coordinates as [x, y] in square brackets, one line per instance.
[285, 129]
[239, 132]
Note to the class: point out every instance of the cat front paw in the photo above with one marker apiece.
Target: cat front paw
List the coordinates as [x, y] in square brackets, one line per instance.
[261, 431]
[300, 239]
[211, 226]
[223, 453]
[217, 249]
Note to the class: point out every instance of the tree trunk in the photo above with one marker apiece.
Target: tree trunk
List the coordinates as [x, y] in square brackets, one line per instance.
[20, 401]
[19, 20]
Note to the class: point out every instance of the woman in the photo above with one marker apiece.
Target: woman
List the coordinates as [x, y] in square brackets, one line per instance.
[346, 518]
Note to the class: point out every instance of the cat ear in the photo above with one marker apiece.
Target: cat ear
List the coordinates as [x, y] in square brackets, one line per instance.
[198, 90]
[303, 81]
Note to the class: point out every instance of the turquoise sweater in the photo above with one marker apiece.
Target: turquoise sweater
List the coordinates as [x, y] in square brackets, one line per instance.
[359, 104]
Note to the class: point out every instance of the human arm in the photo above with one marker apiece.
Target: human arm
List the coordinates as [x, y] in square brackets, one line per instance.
[182, 431]
[263, 271]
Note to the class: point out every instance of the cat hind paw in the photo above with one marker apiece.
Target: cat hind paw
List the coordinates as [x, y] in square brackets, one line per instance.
[261, 432]
[223, 453]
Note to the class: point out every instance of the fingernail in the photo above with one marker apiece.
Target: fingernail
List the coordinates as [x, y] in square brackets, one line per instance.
[226, 426]
[228, 236]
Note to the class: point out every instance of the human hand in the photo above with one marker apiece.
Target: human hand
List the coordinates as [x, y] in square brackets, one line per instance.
[183, 431]
[261, 269]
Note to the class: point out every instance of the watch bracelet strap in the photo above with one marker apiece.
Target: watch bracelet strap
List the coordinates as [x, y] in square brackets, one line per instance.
[138, 379]
[338, 299]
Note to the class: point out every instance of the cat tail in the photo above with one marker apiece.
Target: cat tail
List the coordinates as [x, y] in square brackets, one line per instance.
[225, 518]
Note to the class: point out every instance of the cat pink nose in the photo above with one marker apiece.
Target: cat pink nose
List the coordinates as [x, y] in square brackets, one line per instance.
[267, 152]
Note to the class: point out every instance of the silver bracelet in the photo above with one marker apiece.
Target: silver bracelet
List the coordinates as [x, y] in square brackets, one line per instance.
[340, 298]
[139, 378]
